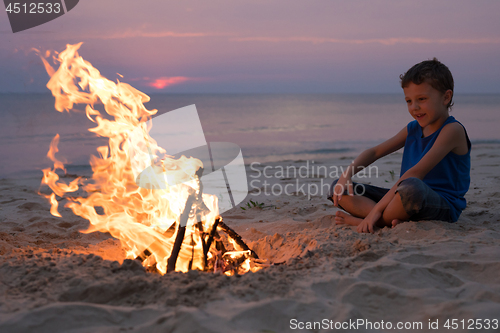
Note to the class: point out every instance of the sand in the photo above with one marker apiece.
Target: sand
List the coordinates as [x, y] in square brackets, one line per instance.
[56, 279]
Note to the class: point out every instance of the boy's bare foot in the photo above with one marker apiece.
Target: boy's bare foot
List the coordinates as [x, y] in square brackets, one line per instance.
[344, 218]
[395, 222]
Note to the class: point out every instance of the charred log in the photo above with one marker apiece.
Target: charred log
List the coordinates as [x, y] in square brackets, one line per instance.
[181, 231]
[237, 239]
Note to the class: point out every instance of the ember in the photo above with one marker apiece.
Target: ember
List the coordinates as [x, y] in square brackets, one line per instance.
[173, 226]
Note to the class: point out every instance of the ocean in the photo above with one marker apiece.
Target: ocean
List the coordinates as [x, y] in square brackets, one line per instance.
[266, 127]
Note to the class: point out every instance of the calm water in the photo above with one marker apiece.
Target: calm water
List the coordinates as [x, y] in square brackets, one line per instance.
[266, 127]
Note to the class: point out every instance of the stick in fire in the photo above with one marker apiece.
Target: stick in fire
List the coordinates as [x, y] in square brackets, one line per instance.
[195, 203]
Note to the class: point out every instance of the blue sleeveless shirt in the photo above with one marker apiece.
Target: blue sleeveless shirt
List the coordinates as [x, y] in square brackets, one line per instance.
[450, 178]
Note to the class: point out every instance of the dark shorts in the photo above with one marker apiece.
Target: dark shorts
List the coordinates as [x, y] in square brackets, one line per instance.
[419, 200]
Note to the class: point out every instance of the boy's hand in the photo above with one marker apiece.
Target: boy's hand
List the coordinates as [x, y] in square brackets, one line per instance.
[339, 189]
[368, 222]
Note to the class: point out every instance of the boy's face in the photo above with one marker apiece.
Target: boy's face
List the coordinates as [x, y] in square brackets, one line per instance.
[427, 105]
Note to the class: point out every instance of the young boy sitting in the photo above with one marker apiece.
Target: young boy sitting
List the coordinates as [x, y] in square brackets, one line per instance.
[435, 171]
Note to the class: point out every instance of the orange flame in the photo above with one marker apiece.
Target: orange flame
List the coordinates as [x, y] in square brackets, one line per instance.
[139, 217]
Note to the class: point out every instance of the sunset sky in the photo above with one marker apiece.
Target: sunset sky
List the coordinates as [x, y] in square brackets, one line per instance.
[287, 46]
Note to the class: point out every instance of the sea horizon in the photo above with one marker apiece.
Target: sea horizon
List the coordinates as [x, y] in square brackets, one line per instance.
[267, 127]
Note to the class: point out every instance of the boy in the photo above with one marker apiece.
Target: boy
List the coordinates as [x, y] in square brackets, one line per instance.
[435, 171]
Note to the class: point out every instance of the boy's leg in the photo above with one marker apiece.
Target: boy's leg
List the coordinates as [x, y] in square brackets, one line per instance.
[394, 213]
[359, 205]
[414, 200]
[421, 202]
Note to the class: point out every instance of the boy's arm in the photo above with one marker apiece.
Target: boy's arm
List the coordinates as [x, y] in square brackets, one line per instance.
[449, 138]
[364, 159]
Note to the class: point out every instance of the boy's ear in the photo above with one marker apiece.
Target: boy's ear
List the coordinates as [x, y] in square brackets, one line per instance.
[448, 95]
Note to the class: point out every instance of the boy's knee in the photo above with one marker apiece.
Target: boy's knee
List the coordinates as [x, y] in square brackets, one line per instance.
[412, 192]
[412, 184]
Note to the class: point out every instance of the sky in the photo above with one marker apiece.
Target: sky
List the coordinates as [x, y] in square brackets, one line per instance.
[253, 46]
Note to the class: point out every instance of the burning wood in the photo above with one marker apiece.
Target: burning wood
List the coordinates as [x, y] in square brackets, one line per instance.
[221, 260]
[237, 240]
[181, 231]
[170, 225]
[222, 263]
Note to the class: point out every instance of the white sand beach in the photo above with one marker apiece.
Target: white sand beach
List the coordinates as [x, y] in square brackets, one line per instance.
[56, 279]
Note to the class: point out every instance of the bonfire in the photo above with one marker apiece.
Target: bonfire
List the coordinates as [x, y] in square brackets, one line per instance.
[162, 217]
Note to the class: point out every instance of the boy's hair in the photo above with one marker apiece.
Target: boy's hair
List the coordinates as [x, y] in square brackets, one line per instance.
[434, 73]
